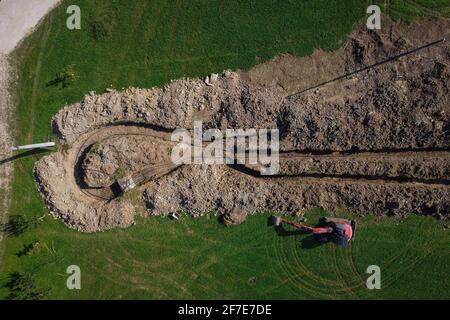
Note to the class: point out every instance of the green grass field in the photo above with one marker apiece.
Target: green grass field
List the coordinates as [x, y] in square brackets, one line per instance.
[145, 44]
[200, 258]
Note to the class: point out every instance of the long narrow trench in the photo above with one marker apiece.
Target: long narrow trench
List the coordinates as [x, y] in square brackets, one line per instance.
[429, 159]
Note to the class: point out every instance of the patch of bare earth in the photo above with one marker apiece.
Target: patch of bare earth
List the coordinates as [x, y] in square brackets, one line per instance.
[6, 141]
[376, 142]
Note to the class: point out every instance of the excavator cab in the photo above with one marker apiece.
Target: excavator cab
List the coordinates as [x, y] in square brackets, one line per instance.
[343, 231]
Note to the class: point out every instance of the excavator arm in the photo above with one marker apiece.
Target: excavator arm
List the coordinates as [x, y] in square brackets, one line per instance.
[303, 227]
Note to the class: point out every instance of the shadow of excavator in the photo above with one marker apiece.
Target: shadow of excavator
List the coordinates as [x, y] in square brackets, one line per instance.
[308, 242]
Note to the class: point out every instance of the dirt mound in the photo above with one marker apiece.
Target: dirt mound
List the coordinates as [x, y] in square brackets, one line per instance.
[234, 217]
[375, 142]
[224, 188]
[76, 209]
[118, 156]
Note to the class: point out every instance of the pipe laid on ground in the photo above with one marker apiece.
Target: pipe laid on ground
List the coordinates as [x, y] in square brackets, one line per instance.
[34, 146]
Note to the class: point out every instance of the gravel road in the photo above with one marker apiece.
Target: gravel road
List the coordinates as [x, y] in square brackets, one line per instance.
[18, 18]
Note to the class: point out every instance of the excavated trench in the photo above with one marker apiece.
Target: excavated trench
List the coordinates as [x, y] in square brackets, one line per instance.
[402, 166]
[375, 142]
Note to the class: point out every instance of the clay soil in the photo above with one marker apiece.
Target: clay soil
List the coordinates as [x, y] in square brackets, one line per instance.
[377, 142]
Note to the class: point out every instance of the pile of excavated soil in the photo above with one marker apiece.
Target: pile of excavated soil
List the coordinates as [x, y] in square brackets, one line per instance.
[234, 217]
[225, 189]
[117, 156]
[376, 142]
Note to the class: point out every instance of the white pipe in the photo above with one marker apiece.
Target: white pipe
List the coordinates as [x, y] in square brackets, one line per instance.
[34, 146]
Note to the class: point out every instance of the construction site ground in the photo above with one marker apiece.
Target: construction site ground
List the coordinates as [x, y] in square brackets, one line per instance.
[362, 149]
[376, 142]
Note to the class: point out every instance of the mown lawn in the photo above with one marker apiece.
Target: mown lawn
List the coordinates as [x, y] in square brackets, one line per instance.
[200, 258]
[145, 44]
[407, 10]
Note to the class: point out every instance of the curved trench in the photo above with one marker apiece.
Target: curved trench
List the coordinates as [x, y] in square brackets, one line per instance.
[155, 171]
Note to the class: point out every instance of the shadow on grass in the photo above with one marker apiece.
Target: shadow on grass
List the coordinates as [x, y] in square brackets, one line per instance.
[28, 249]
[17, 225]
[308, 242]
[22, 155]
[283, 232]
[22, 286]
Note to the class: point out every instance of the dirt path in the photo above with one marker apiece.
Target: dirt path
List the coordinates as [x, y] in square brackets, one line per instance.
[6, 168]
[18, 18]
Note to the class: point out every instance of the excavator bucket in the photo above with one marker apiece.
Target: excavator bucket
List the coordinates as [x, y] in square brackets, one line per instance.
[274, 220]
[353, 224]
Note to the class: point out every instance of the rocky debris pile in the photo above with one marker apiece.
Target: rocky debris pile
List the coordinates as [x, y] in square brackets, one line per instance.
[223, 188]
[402, 106]
[235, 216]
[75, 208]
[115, 156]
[399, 105]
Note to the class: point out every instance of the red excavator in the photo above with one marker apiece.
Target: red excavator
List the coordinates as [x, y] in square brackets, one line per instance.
[338, 230]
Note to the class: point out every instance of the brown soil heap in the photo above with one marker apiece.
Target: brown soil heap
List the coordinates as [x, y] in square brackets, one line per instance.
[234, 217]
[376, 142]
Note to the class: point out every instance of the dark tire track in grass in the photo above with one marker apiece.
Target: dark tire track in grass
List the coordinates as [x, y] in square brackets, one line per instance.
[304, 278]
[47, 26]
[391, 270]
[313, 279]
[301, 281]
[141, 269]
[338, 271]
[433, 12]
